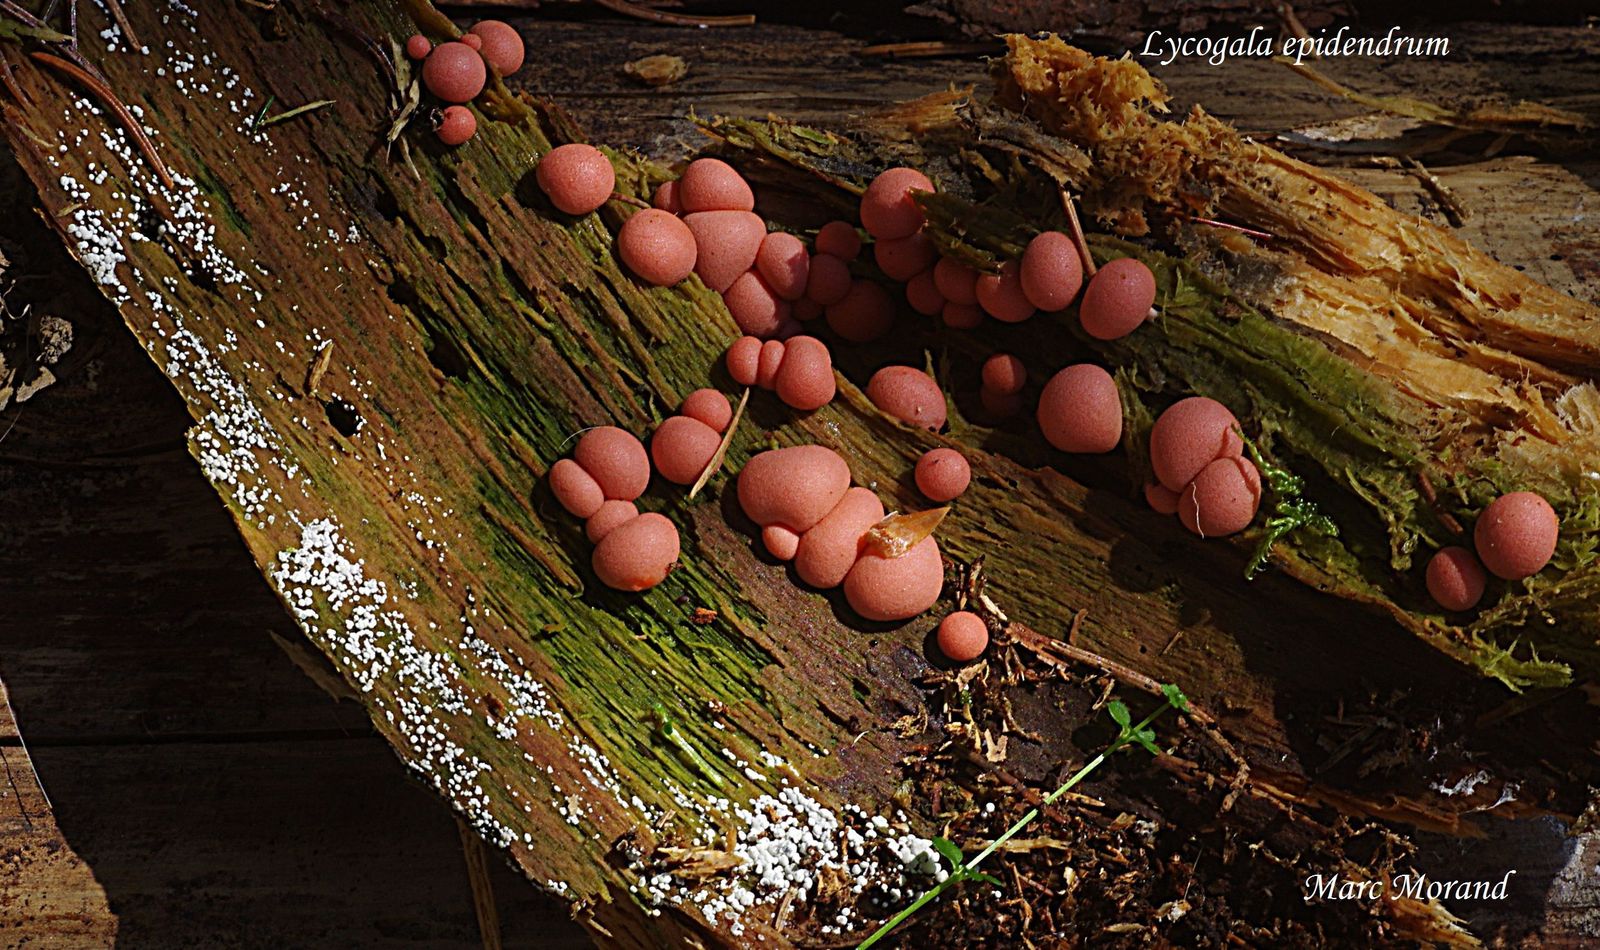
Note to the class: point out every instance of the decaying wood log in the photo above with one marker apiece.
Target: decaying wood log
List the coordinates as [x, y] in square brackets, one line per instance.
[727, 756]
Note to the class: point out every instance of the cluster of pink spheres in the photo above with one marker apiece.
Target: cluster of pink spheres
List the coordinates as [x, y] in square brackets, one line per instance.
[1514, 538]
[607, 472]
[802, 498]
[456, 71]
[809, 514]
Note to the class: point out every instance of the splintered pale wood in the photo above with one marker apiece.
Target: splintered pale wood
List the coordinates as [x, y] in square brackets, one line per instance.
[399, 510]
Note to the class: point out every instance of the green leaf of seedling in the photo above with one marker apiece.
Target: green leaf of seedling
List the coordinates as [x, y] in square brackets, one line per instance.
[1119, 713]
[1175, 697]
[980, 877]
[1147, 739]
[951, 853]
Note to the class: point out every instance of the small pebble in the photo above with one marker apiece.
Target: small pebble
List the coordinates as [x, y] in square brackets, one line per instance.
[943, 475]
[1516, 535]
[1081, 411]
[887, 208]
[1455, 579]
[657, 246]
[578, 178]
[710, 184]
[963, 636]
[908, 394]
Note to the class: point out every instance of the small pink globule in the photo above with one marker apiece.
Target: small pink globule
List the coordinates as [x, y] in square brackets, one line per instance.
[726, 244]
[864, 314]
[793, 486]
[575, 489]
[457, 124]
[839, 239]
[1051, 272]
[1080, 410]
[942, 475]
[1004, 374]
[616, 460]
[887, 209]
[1222, 499]
[1118, 299]
[710, 184]
[710, 407]
[1188, 436]
[805, 380]
[502, 45]
[638, 554]
[908, 394]
[1455, 579]
[1000, 295]
[657, 246]
[963, 636]
[454, 72]
[682, 448]
[577, 178]
[607, 517]
[744, 360]
[1516, 535]
[785, 265]
[890, 589]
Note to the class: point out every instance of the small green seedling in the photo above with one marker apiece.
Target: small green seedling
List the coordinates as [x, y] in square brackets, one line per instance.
[1129, 733]
[668, 730]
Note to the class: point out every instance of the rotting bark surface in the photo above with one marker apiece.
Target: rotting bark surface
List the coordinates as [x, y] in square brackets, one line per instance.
[421, 552]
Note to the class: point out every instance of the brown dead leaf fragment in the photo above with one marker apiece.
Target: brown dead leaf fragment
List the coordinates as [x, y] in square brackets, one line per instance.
[899, 533]
[658, 70]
